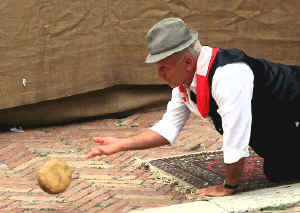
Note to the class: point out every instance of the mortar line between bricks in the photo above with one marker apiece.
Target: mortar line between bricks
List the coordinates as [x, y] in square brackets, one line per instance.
[110, 204]
[88, 184]
[84, 195]
[30, 165]
[25, 157]
[9, 203]
[117, 157]
[118, 205]
[91, 200]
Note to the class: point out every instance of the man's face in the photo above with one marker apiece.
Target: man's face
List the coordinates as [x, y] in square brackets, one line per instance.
[174, 70]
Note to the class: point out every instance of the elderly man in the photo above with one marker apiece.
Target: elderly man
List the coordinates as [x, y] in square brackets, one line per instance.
[250, 101]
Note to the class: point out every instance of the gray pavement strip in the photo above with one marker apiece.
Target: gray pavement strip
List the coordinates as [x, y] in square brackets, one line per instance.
[286, 195]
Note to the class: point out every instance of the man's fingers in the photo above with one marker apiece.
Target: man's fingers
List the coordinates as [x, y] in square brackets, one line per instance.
[201, 192]
[98, 140]
[214, 191]
[90, 155]
[205, 193]
[93, 154]
[101, 140]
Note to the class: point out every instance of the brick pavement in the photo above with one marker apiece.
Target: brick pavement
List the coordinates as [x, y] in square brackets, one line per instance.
[103, 184]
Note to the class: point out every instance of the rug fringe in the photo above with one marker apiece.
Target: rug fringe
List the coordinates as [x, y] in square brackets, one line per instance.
[166, 178]
[185, 154]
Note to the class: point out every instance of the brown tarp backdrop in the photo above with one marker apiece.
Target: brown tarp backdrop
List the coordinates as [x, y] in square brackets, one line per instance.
[62, 60]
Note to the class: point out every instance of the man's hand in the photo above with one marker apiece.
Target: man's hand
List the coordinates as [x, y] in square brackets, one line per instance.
[107, 146]
[111, 145]
[215, 191]
[232, 174]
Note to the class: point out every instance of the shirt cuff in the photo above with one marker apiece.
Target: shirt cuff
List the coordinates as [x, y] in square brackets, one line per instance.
[166, 130]
[233, 155]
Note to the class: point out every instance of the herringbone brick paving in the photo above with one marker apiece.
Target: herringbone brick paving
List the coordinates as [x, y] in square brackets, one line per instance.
[103, 184]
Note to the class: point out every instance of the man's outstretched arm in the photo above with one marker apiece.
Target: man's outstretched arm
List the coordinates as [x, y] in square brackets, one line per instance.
[162, 133]
[111, 145]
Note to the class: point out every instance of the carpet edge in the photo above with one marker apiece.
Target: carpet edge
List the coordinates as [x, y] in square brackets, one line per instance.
[165, 178]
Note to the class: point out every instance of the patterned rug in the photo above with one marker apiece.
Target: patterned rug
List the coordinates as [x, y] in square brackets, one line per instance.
[207, 168]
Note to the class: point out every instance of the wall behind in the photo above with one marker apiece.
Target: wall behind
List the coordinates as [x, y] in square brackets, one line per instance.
[56, 49]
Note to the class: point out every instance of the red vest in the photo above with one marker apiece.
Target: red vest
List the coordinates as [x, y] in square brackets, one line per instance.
[203, 89]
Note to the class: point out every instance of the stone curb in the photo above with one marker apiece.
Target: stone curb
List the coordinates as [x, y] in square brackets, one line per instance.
[272, 198]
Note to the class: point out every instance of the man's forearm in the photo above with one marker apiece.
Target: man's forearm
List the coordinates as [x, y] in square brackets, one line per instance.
[144, 140]
[233, 172]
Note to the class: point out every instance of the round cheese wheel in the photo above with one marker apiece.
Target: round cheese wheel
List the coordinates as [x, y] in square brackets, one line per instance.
[54, 176]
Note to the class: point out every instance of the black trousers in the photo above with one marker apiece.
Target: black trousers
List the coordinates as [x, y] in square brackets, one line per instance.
[279, 144]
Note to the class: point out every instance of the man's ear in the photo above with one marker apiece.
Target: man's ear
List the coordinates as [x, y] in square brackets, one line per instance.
[190, 63]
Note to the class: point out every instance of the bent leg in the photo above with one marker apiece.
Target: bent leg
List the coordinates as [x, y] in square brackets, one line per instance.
[279, 170]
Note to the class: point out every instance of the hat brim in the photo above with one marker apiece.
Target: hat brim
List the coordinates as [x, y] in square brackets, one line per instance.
[158, 57]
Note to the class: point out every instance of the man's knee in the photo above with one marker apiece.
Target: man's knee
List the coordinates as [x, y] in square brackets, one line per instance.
[280, 171]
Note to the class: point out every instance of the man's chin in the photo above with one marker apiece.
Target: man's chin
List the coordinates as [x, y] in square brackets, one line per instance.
[173, 85]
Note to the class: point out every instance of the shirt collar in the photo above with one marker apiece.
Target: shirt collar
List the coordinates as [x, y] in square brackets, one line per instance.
[202, 64]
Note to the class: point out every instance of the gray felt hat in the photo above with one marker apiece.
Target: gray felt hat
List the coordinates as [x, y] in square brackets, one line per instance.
[167, 37]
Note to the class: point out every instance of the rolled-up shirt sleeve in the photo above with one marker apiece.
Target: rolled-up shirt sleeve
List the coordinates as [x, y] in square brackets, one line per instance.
[173, 119]
[232, 88]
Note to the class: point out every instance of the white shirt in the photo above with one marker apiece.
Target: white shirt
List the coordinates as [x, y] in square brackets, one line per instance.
[232, 88]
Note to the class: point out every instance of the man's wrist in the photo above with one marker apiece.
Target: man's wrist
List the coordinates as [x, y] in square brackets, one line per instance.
[124, 144]
[229, 186]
